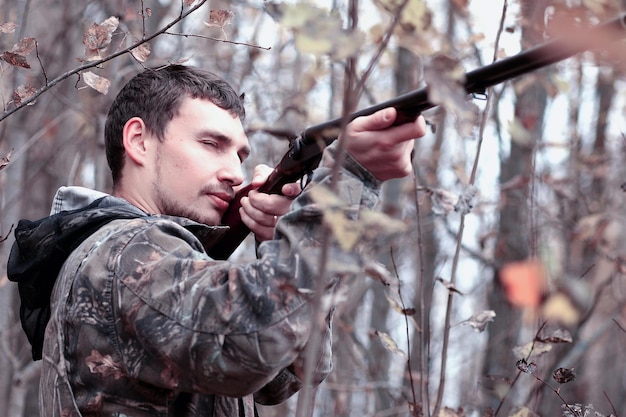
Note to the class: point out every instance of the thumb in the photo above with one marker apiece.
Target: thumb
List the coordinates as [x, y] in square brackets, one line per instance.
[380, 120]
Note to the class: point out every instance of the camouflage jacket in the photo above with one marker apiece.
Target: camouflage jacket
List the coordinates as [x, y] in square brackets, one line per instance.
[144, 323]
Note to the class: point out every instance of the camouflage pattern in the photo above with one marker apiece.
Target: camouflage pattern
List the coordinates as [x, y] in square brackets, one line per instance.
[144, 323]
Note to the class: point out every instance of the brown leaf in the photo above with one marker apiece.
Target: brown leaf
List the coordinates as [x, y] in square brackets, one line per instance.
[388, 343]
[142, 52]
[480, 320]
[8, 27]
[24, 47]
[220, 18]
[563, 375]
[23, 93]
[15, 59]
[98, 83]
[532, 349]
[98, 37]
[558, 336]
[4, 161]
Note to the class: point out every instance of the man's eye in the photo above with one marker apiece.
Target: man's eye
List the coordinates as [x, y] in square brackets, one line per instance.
[210, 143]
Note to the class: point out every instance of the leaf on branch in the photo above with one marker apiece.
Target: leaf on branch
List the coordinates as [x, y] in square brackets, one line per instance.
[370, 228]
[415, 15]
[388, 343]
[450, 286]
[220, 18]
[560, 308]
[558, 336]
[521, 411]
[8, 27]
[23, 93]
[98, 37]
[15, 59]
[98, 83]
[317, 30]
[24, 46]
[480, 320]
[524, 366]
[142, 52]
[564, 375]
[4, 161]
[532, 349]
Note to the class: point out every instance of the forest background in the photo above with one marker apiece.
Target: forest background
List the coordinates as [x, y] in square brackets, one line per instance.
[505, 296]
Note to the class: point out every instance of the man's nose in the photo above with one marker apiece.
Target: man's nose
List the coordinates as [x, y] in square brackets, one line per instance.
[231, 173]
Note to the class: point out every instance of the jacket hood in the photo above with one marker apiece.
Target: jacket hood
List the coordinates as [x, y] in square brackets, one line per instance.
[41, 247]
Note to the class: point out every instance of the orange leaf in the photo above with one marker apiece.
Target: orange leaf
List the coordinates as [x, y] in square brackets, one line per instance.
[524, 282]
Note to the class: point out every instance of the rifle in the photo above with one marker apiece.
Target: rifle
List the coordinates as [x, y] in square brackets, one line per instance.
[305, 150]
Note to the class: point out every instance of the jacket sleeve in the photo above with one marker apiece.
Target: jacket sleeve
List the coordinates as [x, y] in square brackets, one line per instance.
[187, 322]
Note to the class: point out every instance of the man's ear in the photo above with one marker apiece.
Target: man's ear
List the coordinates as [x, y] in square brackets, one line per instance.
[135, 137]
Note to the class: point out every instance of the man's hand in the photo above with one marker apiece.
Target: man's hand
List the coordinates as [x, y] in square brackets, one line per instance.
[383, 149]
[260, 211]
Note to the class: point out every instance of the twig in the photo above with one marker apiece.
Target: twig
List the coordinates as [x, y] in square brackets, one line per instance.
[3, 238]
[610, 403]
[193, 35]
[93, 64]
[519, 372]
[459, 237]
[406, 328]
[619, 325]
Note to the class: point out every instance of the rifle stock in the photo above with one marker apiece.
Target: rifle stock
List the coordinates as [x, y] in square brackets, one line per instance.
[305, 151]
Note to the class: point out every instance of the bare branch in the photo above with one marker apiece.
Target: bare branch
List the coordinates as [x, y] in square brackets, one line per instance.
[93, 64]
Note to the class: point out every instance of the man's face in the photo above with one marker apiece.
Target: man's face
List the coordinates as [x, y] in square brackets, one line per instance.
[198, 164]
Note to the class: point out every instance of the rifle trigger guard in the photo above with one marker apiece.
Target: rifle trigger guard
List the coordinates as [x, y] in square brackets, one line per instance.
[479, 95]
[306, 179]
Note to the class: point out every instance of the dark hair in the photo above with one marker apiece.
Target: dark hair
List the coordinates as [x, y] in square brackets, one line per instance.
[155, 95]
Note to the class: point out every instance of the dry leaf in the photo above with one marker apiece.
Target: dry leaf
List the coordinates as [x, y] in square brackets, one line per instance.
[98, 37]
[522, 411]
[415, 15]
[532, 349]
[519, 134]
[15, 59]
[24, 47]
[560, 309]
[558, 336]
[480, 320]
[564, 375]
[4, 161]
[23, 93]
[220, 18]
[389, 344]
[142, 52]
[524, 282]
[8, 27]
[98, 83]
[370, 228]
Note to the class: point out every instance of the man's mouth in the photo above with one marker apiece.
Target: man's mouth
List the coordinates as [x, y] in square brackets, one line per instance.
[221, 200]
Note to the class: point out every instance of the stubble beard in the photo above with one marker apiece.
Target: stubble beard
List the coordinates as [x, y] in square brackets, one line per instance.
[173, 207]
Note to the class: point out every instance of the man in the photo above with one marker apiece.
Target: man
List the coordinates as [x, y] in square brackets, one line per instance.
[141, 321]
